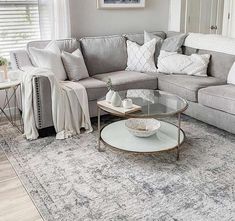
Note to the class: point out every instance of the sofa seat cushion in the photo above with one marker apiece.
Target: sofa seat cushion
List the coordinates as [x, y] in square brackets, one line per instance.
[218, 97]
[186, 86]
[124, 80]
[95, 89]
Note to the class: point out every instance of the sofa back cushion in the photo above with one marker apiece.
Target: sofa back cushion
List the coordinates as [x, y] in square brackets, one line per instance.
[220, 63]
[104, 54]
[68, 45]
[139, 38]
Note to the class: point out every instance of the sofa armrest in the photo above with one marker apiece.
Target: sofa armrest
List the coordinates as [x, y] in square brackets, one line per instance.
[42, 102]
[19, 59]
[41, 90]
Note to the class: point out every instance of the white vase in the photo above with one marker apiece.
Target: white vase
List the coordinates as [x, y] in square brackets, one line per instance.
[109, 96]
[116, 100]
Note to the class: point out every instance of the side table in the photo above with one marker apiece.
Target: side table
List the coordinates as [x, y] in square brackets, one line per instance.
[11, 103]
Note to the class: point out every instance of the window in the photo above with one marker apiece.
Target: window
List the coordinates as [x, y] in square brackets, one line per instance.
[19, 24]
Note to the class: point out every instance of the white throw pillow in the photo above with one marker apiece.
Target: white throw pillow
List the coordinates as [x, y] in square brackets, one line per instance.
[231, 75]
[74, 65]
[49, 58]
[174, 63]
[141, 58]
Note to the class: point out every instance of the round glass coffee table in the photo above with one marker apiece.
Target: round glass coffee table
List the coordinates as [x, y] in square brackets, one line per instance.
[154, 104]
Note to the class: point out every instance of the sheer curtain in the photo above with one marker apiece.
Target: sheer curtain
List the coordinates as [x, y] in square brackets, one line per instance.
[54, 18]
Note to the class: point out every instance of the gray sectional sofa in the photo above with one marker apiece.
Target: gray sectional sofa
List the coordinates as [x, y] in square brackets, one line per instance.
[210, 99]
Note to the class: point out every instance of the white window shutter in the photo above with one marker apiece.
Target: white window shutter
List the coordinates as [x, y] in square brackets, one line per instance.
[19, 24]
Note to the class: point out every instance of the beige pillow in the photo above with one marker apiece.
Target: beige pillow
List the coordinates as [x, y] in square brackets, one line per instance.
[74, 65]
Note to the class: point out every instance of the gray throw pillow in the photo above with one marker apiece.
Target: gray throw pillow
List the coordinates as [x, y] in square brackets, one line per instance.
[171, 44]
[174, 43]
[74, 65]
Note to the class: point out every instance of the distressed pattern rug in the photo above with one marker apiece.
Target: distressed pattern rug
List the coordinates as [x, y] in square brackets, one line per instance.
[70, 180]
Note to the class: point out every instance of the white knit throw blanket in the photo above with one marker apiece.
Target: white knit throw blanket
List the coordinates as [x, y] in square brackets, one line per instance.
[70, 110]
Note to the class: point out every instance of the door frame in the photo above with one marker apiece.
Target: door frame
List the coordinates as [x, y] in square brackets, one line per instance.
[228, 13]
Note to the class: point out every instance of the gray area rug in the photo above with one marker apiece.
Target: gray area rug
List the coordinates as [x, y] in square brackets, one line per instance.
[70, 180]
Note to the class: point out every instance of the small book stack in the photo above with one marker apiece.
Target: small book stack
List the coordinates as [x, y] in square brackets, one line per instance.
[121, 109]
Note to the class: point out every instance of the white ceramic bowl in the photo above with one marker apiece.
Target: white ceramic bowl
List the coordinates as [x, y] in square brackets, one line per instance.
[142, 127]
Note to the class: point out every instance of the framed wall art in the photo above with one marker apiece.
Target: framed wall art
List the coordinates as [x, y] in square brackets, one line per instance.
[112, 4]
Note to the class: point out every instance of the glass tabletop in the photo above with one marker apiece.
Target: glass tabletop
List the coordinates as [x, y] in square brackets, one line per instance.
[154, 103]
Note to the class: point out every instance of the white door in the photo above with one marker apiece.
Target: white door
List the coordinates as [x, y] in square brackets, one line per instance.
[204, 16]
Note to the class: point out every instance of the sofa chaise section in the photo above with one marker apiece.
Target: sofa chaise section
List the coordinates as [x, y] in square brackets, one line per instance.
[217, 118]
[186, 86]
[219, 97]
[215, 102]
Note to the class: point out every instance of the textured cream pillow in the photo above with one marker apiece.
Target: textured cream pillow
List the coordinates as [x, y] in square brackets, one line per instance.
[74, 65]
[231, 75]
[174, 63]
[49, 58]
[141, 58]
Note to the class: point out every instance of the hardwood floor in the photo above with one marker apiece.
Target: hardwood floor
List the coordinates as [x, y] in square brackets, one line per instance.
[15, 203]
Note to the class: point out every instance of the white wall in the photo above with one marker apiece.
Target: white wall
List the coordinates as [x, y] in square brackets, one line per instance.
[87, 20]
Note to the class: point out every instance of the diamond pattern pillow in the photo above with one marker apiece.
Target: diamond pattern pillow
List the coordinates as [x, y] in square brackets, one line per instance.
[141, 58]
[174, 63]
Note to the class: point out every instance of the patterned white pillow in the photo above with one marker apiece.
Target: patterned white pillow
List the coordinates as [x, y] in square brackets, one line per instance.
[174, 63]
[141, 58]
